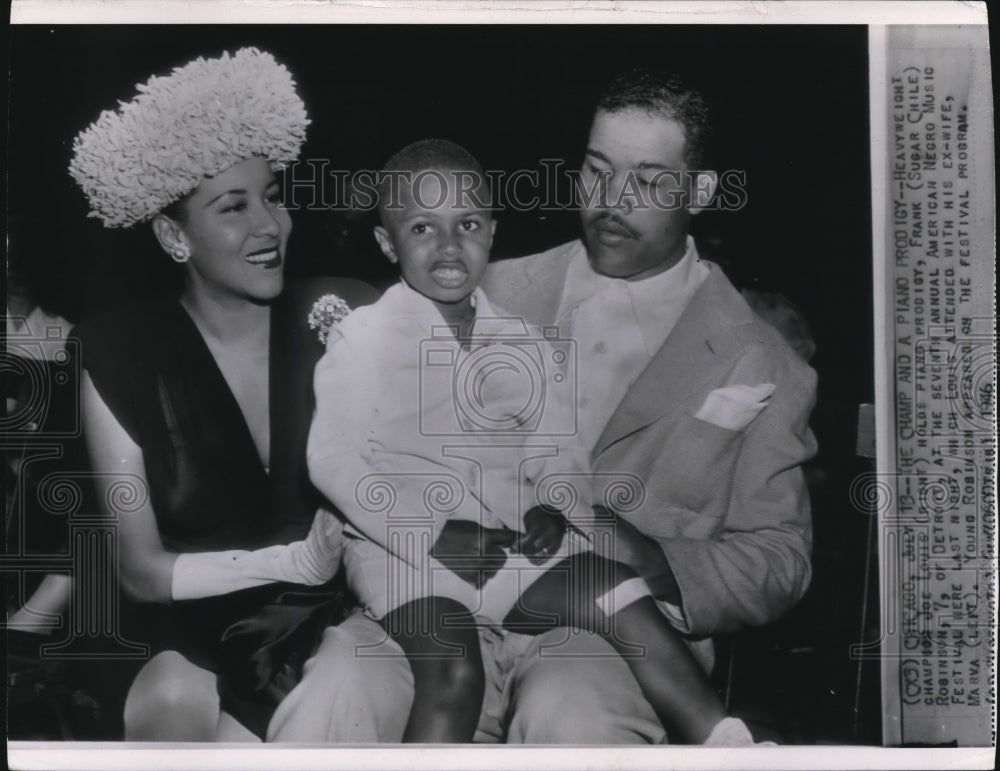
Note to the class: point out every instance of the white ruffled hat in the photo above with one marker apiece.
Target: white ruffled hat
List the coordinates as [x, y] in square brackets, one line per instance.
[196, 122]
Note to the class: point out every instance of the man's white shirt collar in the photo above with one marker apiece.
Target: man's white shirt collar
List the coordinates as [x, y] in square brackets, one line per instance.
[657, 301]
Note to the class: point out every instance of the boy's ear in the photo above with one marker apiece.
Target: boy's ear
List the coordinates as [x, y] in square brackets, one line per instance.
[704, 184]
[385, 244]
[168, 233]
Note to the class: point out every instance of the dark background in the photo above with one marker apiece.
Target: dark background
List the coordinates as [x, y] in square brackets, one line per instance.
[791, 103]
[792, 111]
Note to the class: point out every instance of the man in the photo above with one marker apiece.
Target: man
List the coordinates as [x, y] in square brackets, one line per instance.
[683, 390]
[680, 383]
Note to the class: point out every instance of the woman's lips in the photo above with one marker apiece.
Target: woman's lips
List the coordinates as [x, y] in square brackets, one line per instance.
[265, 258]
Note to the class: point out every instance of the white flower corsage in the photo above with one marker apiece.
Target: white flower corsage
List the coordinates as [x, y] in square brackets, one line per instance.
[327, 311]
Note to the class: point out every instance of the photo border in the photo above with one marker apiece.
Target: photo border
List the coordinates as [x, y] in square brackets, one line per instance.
[874, 14]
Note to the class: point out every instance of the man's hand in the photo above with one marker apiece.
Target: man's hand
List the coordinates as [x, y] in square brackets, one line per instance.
[544, 531]
[643, 555]
[473, 553]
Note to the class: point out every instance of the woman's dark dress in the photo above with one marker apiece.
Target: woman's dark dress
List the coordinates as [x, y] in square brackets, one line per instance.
[209, 489]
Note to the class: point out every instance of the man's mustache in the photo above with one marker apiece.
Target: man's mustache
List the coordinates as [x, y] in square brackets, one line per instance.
[614, 220]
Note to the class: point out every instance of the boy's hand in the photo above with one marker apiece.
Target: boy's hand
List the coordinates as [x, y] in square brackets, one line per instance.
[473, 553]
[544, 531]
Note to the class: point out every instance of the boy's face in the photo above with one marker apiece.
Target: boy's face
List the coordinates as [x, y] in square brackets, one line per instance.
[440, 239]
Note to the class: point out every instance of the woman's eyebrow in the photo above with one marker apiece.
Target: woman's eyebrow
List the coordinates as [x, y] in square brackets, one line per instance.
[235, 191]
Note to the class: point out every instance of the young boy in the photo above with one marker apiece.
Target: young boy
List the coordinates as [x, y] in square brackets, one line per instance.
[434, 473]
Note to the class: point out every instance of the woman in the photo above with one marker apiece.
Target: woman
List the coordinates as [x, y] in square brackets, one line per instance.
[200, 405]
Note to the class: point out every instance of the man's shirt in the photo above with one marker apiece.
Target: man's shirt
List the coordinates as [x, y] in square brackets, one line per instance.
[619, 326]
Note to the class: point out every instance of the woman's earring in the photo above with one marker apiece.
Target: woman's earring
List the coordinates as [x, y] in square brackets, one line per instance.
[180, 253]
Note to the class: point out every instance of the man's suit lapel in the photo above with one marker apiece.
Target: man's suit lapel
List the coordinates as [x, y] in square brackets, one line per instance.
[533, 289]
[699, 350]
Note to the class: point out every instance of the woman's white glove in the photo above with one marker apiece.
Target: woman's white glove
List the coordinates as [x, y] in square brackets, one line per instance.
[312, 561]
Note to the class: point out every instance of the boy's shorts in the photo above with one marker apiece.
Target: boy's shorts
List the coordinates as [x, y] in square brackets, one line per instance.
[383, 582]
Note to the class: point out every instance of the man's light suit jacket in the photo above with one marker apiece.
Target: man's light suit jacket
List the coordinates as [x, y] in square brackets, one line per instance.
[728, 507]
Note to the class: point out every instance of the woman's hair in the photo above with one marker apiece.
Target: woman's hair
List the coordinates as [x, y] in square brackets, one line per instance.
[201, 119]
[176, 210]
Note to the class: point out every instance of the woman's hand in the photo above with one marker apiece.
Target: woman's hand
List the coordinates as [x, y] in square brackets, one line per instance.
[472, 552]
[544, 531]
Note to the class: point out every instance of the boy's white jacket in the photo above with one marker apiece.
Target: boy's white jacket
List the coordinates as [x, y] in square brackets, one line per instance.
[388, 445]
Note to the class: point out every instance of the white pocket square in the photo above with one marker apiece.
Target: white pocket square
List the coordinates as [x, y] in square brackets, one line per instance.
[734, 406]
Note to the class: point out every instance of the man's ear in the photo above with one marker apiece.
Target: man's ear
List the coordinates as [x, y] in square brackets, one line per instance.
[169, 234]
[385, 244]
[703, 187]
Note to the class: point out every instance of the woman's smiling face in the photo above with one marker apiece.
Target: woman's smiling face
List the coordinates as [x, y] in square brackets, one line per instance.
[236, 232]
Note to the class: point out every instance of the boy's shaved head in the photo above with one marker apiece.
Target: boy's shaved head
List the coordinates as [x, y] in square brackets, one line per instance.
[434, 156]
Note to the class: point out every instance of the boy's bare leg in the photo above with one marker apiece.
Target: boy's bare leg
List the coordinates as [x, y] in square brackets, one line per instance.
[441, 644]
[669, 676]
